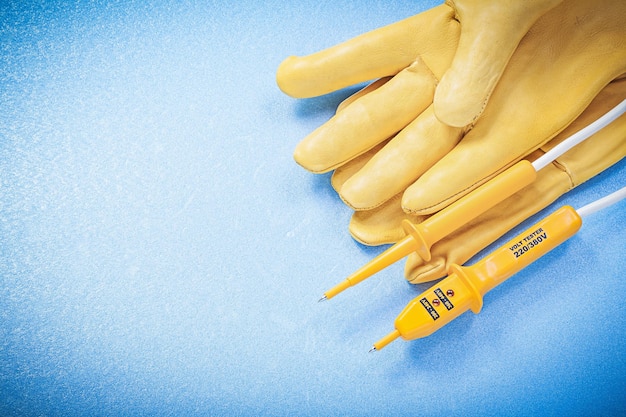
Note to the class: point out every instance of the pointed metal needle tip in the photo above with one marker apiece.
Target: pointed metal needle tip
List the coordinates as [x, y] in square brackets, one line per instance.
[373, 349]
[324, 298]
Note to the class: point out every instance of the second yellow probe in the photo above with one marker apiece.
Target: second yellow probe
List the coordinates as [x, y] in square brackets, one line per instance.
[465, 287]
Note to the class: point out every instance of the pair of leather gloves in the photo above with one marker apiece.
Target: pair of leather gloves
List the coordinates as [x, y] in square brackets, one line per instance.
[463, 91]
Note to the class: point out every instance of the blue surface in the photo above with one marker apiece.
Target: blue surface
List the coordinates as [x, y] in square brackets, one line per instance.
[162, 254]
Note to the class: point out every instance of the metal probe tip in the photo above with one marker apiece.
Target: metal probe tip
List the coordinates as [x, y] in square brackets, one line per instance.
[373, 349]
[324, 298]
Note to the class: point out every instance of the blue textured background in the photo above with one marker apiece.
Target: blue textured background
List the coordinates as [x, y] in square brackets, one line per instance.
[162, 254]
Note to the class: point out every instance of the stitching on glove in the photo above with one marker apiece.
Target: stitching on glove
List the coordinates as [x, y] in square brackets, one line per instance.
[347, 203]
[482, 109]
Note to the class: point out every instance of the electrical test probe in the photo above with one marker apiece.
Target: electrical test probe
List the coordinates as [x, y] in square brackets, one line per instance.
[420, 237]
[465, 287]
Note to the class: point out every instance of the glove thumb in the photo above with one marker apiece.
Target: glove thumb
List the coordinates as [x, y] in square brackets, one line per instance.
[490, 33]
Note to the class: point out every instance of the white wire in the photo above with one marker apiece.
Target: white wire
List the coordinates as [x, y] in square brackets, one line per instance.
[602, 202]
[579, 136]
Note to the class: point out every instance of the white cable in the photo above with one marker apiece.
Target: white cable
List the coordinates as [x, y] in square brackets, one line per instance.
[579, 136]
[602, 203]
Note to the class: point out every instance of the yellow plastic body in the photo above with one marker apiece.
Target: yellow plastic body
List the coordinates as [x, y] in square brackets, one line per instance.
[420, 237]
[465, 287]
[469, 207]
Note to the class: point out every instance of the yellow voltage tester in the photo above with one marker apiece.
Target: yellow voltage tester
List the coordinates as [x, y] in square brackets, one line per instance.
[420, 237]
[465, 287]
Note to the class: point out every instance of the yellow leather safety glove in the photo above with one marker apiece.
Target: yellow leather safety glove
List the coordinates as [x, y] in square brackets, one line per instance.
[569, 54]
[603, 149]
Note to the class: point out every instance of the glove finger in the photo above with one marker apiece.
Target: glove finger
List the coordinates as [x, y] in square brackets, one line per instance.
[381, 52]
[368, 120]
[587, 159]
[490, 32]
[401, 162]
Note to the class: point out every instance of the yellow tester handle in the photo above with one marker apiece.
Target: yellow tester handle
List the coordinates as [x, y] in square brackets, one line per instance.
[469, 207]
[465, 287]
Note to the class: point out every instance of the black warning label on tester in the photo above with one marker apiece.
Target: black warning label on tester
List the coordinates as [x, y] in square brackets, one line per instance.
[429, 308]
[444, 300]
